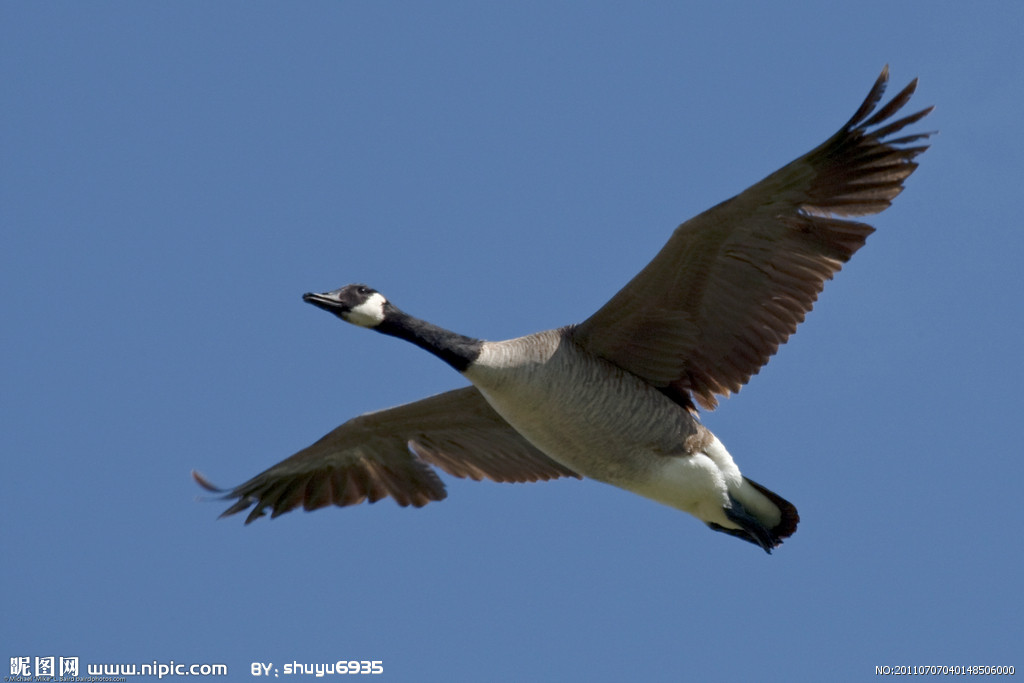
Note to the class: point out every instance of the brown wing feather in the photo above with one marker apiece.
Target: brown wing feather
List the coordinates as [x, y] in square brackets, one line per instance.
[733, 283]
[389, 453]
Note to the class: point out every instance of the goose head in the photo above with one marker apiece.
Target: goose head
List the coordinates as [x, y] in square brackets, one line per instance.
[356, 304]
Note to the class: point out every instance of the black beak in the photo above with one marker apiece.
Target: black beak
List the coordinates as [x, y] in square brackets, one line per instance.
[324, 301]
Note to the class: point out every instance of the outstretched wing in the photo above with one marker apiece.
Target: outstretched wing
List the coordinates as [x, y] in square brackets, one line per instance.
[386, 453]
[734, 282]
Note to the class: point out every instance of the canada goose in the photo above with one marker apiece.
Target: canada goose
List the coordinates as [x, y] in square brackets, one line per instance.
[612, 398]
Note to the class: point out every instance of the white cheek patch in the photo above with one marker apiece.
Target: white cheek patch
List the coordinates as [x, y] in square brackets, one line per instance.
[370, 313]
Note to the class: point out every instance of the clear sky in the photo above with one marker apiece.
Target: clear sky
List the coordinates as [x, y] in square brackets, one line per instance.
[176, 174]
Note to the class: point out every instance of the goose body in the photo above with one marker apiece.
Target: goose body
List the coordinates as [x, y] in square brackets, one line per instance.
[614, 397]
[607, 424]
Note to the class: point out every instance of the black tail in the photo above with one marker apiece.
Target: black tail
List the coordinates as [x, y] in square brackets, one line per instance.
[790, 517]
[752, 529]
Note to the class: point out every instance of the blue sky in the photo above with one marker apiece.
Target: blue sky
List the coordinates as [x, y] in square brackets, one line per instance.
[176, 175]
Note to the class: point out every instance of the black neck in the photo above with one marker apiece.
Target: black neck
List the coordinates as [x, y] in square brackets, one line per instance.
[454, 349]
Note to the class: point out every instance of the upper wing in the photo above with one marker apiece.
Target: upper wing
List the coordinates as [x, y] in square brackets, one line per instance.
[385, 453]
[733, 283]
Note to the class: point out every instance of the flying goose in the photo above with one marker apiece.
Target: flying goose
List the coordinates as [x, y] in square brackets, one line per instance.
[614, 398]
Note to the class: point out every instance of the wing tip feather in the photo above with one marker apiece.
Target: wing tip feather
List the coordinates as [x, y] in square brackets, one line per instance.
[327, 486]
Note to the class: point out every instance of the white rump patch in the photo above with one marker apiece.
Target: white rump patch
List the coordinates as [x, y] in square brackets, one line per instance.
[701, 485]
[370, 313]
[753, 500]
